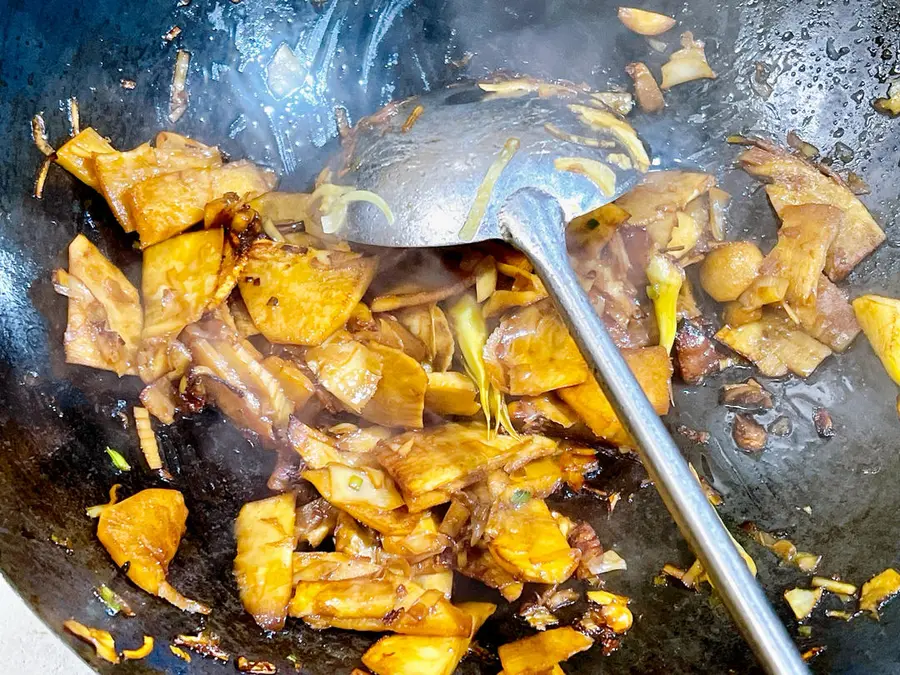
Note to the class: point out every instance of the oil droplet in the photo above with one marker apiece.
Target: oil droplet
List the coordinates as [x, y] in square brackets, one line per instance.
[834, 53]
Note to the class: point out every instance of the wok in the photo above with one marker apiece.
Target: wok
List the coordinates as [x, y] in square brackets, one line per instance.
[782, 65]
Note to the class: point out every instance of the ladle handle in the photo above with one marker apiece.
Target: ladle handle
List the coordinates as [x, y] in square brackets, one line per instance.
[533, 222]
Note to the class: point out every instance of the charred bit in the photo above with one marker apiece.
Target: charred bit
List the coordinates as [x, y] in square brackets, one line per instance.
[206, 644]
[537, 616]
[693, 435]
[584, 538]
[594, 625]
[824, 423]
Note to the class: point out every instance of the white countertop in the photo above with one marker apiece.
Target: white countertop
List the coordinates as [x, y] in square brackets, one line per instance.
[28, 643]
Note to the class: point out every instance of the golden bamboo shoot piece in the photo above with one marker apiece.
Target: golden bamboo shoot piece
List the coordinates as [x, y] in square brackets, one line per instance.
[118, 172]
[806, 233]
[528, 543]
[776, 345]
[653, 370]
[452, 456]
[354, 539]
[390, 604]
[539, 478]
[144, 531]
[263, 567]
[878, 589]
[531, 352]
[663, 192]
[299, 296]
[415, 655]
[347, 369]
[879, 318]
[104, 315]
[385, 521]
[399, 398]
[364, 486]
[451, 393]
[331, 566]
[802, 601]
[166, 205]
[297, 386]
[541, 652]
[77, 155]
[178, 280]
[430, 325]
[423, 541]
[793, 182]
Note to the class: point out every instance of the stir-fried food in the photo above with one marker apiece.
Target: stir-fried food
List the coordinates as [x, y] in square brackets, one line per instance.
[142, 534]
[263, 567]
[421, 424]
[105, 318]
[793, 181]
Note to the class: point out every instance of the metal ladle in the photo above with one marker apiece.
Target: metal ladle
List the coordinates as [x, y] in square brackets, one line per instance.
[428, 157]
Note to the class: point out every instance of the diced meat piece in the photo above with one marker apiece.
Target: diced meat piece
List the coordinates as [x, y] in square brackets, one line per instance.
[748, 395]
[749, 434]
[646, 90]
[695, 353]
[830, 319]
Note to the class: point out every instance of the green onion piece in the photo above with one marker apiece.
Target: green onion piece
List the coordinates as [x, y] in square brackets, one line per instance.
[520, 496]
[114, 602]
[355, 483]
[471, 333]
[109, 598]
[838, 614]
[665, 279]
[59, 541]
[804, 631]
[118, 460]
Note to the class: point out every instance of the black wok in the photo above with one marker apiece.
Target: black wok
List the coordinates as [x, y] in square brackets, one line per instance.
[782, 65]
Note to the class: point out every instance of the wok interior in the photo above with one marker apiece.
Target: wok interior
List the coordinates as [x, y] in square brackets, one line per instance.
[56, 419]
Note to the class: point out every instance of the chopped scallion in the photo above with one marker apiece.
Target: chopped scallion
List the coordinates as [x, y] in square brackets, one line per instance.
[118, 460]
[520, 496]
